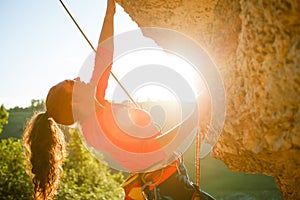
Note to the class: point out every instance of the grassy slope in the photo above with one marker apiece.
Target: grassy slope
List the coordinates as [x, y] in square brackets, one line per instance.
[216, 178]
[16, 123]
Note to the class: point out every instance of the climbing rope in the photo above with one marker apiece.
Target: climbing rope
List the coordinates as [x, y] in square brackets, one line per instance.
[88, 41]
[197, 157]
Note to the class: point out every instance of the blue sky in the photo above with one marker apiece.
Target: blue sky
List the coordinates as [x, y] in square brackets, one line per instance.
[40, 45]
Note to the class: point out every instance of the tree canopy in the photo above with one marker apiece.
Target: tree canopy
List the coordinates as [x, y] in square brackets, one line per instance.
[84, 177]
[3, 117]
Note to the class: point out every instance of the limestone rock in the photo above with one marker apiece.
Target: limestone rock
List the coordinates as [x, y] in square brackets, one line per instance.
[256, 46]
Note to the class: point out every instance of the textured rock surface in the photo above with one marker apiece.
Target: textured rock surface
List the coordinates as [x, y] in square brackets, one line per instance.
[256, 46]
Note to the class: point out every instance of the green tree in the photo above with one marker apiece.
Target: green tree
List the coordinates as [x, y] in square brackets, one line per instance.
[37, 104]
[14, 182]
[84, 177]
[3, 117]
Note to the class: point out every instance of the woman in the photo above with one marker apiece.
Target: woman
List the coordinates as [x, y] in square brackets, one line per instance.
[43, 139]
[74, 101]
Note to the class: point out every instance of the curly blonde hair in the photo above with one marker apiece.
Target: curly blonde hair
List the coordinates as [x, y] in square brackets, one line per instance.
[45, 151]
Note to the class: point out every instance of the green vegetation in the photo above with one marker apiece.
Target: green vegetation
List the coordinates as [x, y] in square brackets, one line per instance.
[18, 117]
[3, 117]
[14, 182]
[16, 123]
[217, 180]
[85, 177]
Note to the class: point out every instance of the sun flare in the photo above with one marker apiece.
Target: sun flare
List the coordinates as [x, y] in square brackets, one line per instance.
[126, 64]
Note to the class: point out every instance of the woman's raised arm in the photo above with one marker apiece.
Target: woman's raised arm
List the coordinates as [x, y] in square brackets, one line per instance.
[104, 55]
[108, 24]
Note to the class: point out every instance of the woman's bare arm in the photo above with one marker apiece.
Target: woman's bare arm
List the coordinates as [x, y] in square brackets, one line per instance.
[108, 25]
[104, 55]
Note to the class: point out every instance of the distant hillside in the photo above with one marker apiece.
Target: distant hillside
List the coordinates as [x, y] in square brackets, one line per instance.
[16, 123]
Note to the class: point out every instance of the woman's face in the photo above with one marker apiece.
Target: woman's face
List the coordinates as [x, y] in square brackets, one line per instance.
[83, 103]
[71, 101]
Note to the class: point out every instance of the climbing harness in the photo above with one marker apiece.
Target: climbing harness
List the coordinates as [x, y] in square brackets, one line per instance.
[171, 182]
[92, 47]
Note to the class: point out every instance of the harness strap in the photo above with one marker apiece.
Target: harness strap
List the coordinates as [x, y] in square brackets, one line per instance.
[136, 184]
[159, 176]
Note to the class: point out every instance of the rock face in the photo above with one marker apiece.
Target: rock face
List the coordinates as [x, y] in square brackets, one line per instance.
[256, 46]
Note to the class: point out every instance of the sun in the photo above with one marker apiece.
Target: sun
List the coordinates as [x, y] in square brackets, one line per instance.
[153, 93]
[126, 64]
